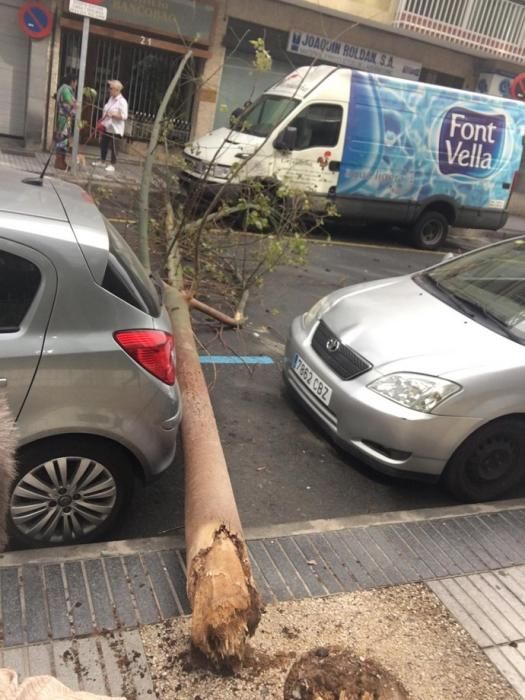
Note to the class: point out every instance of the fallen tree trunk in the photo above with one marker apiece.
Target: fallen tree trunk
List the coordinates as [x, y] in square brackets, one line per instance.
[225, 602]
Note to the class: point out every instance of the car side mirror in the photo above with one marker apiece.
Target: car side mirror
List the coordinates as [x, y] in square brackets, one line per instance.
[286, 140]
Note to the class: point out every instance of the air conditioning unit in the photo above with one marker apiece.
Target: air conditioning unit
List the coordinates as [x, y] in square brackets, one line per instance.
[496, 84]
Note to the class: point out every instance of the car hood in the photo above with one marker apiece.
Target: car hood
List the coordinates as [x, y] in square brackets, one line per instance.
[223, 146]
[398, 326]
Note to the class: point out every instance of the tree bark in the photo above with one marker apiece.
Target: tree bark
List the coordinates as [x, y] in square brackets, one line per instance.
[145, 185]
[225, 602]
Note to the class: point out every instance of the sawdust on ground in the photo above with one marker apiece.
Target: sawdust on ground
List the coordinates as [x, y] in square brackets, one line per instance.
[406, 629]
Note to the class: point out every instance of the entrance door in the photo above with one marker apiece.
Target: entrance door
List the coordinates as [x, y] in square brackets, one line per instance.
[14, 62]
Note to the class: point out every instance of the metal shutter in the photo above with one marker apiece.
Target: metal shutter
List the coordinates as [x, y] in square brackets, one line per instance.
[14, 61]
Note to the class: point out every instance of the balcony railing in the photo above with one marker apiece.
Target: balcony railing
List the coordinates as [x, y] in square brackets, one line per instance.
[496, 27]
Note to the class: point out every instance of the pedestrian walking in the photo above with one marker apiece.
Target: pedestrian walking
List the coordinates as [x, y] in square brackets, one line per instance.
[111, 125]
[66, 106]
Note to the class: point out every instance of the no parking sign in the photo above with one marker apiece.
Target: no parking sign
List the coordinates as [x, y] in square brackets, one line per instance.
[35, 20]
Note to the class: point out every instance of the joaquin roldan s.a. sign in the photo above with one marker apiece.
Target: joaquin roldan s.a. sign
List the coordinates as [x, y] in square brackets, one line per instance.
[345, 54]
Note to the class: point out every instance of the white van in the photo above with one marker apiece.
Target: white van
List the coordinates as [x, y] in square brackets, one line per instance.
[379, 148]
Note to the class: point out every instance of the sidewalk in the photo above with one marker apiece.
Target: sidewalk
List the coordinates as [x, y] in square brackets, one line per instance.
[79, 612]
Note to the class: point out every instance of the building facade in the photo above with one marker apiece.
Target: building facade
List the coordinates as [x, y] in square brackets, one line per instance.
[470, 44]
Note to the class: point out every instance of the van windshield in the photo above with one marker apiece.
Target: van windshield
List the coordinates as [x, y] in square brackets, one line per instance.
[264, 115]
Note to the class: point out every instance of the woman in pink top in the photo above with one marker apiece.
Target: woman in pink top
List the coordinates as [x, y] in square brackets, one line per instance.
[114, 116]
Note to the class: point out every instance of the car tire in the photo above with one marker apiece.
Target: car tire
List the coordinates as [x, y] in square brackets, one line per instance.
[68, 491]
[490, 463]
[430, 230]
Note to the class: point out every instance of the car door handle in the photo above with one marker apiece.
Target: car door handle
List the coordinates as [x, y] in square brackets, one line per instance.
[3, 381]
[506, 185]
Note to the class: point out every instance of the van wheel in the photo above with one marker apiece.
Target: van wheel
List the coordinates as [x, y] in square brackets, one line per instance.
[430, 230]
[68, 491]
[490, 463]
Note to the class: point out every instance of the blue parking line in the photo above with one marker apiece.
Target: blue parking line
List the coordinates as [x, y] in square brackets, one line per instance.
[235, 360]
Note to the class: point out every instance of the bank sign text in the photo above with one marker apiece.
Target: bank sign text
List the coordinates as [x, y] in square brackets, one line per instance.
[471, 143]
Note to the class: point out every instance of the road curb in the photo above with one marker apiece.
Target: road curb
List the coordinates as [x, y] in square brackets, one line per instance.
[165, 542]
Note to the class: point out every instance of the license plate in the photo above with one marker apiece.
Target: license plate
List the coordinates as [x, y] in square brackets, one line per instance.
[312, 380]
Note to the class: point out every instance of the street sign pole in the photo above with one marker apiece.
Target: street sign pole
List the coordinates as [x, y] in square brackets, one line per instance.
[80, 93]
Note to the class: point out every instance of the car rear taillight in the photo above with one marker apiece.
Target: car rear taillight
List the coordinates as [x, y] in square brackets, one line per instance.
[152, 350]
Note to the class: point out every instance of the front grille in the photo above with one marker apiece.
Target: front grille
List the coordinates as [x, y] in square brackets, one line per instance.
[344, 361]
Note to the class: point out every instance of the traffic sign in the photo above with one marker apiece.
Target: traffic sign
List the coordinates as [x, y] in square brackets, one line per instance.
[88, 9]
[35, 20]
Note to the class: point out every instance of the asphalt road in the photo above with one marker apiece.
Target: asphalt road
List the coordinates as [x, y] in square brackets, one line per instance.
[282, 467]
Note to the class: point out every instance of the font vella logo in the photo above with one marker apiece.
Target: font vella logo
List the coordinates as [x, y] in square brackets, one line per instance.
[471, 143]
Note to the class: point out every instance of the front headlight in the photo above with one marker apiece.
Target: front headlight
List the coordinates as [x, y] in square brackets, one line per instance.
[220, 171]
[311, 316]
[421, 392]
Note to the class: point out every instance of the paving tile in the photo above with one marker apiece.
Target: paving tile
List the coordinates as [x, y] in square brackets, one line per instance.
[78, 601]
[449, 545]
[261, 584]
[505, 666]
[494, 529]
[435, 565]
[462, 542]
[411, 567]
[172, 562]
[426, 535]
[307, 572]
[118, 582]
[286, 569]
[66, 661]
[514, 602]
[509, 621]
[39, 660]
[105, 617]
[90, 667]
[112, 661]
[12, 620]
[393, 574]
[17, 659]
[363, 558]
[512, 534]
[137, 669]
[468, 607]
[485, 548]
[56, 602]
[339, 567]
[161, 585]
[453, 600]
[140, 585]
[319, 568]
[270, 572]
[349, 560]
[37, 627]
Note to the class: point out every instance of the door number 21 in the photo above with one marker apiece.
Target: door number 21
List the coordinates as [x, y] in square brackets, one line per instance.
[145, 40]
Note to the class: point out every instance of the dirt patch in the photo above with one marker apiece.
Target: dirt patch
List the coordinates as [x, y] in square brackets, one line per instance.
[405, 629]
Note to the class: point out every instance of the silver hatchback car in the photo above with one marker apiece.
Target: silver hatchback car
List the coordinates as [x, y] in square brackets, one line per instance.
[424, 375]
[86, 358]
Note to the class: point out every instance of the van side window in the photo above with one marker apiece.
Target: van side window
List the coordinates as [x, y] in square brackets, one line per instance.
[318, 125]
[19, 283]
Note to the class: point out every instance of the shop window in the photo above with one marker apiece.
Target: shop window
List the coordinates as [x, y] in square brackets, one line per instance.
[318, 125]
[437, 78]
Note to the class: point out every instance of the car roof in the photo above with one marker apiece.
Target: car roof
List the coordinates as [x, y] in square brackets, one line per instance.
[16, 197]
[60, 201]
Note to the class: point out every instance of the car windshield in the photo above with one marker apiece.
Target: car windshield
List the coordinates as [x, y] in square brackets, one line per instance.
[263, 116]
[490, 283]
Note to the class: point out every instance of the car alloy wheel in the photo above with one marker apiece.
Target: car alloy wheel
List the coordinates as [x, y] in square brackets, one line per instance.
[63, 499]
[69, 490]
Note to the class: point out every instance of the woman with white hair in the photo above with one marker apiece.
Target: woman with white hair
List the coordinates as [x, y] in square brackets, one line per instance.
[111, 125]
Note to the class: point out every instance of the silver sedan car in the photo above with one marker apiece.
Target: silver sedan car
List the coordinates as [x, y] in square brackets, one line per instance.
[87, 361]
[424, 375]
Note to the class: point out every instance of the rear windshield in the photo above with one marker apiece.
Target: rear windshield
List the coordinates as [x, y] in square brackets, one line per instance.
[126, 277]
